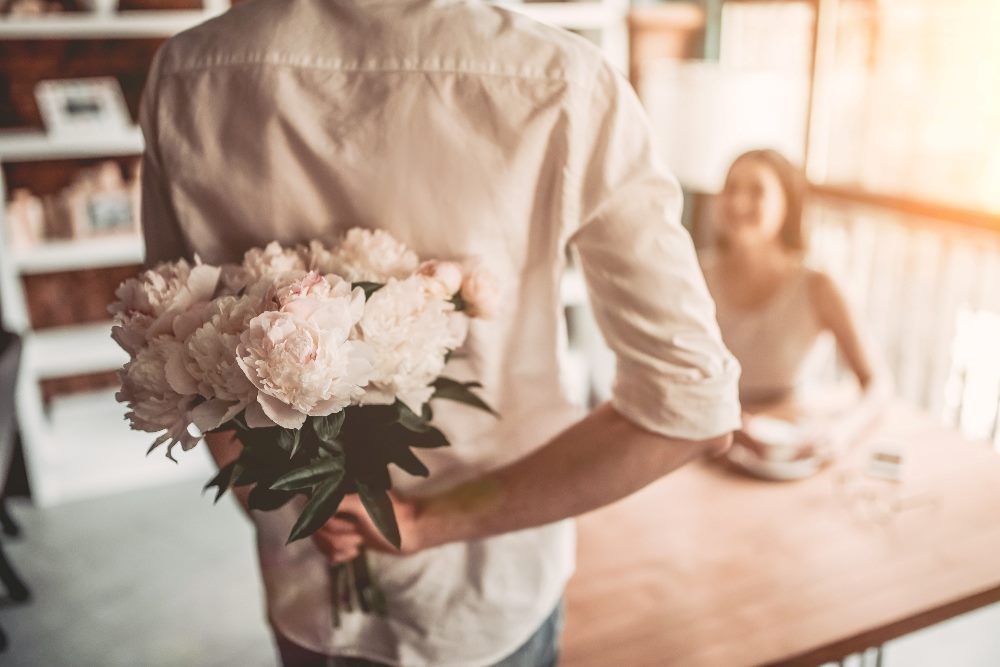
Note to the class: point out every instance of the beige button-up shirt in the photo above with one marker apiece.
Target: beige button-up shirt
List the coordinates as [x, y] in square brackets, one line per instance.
[464, 129]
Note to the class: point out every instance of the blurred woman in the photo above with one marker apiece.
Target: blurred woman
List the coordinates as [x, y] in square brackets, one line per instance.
[772, 308]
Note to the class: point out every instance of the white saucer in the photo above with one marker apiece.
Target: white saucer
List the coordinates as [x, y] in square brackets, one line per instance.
[782, 471]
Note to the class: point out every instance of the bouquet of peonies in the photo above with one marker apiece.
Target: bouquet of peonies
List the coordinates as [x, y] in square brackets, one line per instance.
[323, 360]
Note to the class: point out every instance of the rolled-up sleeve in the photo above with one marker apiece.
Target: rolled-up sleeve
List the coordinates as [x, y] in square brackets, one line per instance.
[674, 374]
[162, 234]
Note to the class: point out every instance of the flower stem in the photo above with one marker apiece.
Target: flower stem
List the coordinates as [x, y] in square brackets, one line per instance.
[334, 571]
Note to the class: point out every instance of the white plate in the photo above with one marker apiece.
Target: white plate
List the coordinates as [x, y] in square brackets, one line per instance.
[782, 471]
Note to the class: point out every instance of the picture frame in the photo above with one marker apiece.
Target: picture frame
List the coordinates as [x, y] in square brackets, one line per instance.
[82, 106]
[101, 203]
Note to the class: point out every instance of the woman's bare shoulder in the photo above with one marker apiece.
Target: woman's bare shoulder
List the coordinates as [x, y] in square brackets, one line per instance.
[821, 284]
[827, 298]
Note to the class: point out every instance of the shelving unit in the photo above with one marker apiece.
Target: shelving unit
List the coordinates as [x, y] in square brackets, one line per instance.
[119, 25]
[72, 255]
[55, 352]
[79, 445]
[34, 145]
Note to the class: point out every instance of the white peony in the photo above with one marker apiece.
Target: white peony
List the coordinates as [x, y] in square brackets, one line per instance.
[373, 256]
[209, 362]
[261, 265]
[301, 358]
[275, 291]
[480, 291]
[318, 257]
[149, 305]
[271, 260]
[153, 404]
[409, 333]
[309, 284]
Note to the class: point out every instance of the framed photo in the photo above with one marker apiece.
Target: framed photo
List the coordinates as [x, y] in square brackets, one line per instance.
[78, 106]
[101, 203]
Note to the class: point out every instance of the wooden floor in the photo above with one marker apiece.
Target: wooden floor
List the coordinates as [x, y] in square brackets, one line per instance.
[162, 578]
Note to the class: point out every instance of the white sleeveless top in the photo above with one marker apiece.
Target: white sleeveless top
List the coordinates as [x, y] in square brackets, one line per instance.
[773, 340]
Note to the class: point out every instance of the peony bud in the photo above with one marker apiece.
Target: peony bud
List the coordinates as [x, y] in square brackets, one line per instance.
[444, 278]
[481, 292]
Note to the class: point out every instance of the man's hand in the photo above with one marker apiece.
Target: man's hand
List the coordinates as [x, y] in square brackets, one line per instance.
[407, 512]
[339, 538]
[720, 446]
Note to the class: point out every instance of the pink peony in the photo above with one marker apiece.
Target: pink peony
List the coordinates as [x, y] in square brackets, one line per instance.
[148, 305]
[153, 403]
[210, 366]
[410, 333]
[301, 359]
[373, 256]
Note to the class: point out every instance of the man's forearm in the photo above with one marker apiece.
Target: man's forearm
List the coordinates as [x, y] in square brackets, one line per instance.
[600, 459]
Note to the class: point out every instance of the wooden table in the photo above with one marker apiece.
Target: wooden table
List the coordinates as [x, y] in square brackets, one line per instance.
[709, 567]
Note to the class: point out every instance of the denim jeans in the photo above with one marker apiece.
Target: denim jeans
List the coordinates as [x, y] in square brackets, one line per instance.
[541, 650]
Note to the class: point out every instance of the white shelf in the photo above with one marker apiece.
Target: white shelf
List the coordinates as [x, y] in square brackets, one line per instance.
[54, 256]
[73, 350]
[87, 25]
[90, 451]
[571, 15]
[27, 145]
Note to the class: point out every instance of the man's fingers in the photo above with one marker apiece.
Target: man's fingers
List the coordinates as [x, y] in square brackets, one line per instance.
[342, 541]
[335, 526]
[345, 555]
[339, 548]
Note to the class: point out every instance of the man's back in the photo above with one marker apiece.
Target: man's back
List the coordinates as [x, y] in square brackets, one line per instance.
[463, 129]
[441, 122]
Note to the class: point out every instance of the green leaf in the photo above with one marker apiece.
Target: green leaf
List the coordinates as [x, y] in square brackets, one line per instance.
[321, 506]
[409, 419]
[428, 439]
[328, 428]
[335, 448]
[265, 499]
[369, 287]
[248, 475]
[224, 479]
[458, 302]
[454, 390]
[261, 458]
[324, 469]
[379, 507]
[288, 440]
[408, 461]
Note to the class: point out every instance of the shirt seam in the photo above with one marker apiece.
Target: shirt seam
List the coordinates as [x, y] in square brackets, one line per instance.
[337, 66]
[573, 188]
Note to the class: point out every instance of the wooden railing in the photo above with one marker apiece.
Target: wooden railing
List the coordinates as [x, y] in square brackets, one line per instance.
[929, 293]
